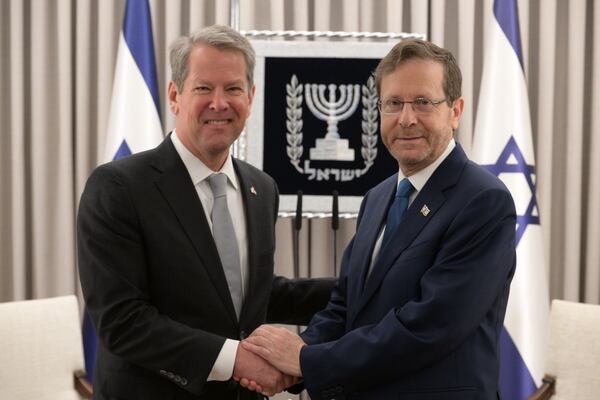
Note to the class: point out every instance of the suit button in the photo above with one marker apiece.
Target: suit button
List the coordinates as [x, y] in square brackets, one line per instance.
[183, 382]
[243, 335]
[177, 378]
[162, 372]
[170, 375]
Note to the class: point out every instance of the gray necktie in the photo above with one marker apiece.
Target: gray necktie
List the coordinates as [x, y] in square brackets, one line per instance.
[225, 239]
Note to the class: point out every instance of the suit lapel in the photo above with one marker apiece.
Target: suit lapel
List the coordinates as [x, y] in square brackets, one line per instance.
[419, 214]
[177, 188]
[412, 223]
[374, 216]
[252, 204]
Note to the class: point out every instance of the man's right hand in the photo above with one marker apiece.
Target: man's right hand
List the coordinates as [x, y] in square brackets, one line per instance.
[269, 380]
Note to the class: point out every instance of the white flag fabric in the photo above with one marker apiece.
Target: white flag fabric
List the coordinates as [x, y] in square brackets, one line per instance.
[503, 143]
[134, 120]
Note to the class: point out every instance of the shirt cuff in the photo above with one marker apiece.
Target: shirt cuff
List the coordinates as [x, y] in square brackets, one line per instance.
[222, 369]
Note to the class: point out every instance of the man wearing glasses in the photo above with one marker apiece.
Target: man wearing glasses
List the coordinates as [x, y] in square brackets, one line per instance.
[420, 303]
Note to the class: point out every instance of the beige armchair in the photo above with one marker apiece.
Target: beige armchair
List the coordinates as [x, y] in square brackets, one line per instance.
[572, 353]
[41, 350]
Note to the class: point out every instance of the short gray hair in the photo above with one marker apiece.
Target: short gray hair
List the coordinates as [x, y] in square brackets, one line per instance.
[218, 36]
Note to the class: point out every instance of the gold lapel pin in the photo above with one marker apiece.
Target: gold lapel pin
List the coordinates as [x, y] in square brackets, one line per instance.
[252, 190]
[425, 210]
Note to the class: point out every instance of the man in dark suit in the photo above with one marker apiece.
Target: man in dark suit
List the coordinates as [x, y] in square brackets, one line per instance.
[420, 303]
[170, 298]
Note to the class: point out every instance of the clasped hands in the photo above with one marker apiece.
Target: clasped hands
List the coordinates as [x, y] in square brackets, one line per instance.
[268, 361]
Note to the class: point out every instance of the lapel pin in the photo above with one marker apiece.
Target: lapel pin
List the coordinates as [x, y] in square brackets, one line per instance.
[252, 190]
[425, 210]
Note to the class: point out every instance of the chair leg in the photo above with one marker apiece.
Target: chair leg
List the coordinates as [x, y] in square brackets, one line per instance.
[545, 391]
[83, 385]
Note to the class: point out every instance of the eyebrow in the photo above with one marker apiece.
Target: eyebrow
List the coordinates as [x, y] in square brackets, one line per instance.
[411, 99]
[207, 82]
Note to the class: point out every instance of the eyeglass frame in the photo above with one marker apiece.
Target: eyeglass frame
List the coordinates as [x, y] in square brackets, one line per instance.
[434, 103]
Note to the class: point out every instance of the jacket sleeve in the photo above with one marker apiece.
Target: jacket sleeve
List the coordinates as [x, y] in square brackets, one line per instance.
[295, 301]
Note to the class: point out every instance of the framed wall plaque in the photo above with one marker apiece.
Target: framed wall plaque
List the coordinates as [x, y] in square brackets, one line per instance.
[314, 124]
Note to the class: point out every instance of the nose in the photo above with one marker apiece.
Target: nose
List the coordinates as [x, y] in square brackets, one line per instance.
[407, 116]
[218, 101]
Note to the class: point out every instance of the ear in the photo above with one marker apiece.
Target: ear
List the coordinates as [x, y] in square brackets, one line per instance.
[456, 111]
[251, 93]
[173, 95]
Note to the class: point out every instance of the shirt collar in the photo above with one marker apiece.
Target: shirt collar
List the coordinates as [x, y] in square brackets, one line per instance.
[197, 169]
[419, 179]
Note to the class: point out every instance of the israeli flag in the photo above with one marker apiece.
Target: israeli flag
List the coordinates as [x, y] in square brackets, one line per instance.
[503, 144]
[134, 120]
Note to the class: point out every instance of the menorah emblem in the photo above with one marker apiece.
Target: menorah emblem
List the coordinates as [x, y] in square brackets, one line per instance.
[332, 147]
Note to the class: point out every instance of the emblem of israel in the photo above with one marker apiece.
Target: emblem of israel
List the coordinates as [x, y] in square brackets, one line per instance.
[331, 104]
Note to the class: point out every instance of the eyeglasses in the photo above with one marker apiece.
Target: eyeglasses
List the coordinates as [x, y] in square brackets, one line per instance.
[421, 105]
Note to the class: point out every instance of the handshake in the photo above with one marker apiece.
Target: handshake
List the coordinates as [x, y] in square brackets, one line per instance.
[268, 361]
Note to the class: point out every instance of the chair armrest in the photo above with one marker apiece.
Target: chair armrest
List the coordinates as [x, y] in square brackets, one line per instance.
[82, 385]
[545, 391]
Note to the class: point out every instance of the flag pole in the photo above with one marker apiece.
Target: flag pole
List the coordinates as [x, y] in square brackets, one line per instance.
[234, 14]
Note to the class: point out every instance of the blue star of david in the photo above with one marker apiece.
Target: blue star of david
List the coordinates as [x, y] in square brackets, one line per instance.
[521, 167]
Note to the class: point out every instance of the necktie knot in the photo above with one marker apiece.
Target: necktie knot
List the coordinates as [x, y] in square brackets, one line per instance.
[404, 189]
[218, 184]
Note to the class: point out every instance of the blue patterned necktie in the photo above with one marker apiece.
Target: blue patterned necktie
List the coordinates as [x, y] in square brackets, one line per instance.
[397, 210]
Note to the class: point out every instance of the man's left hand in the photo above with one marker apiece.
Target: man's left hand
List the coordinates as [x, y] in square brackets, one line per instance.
[279, 346]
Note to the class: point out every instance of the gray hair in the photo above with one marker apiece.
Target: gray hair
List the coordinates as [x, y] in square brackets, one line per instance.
[218, 36]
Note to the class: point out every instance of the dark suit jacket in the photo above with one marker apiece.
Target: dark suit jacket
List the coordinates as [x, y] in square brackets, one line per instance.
[154, 285]
[426, 324]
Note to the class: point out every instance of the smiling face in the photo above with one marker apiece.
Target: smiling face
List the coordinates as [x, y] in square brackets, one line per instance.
[416, 140]
[212, 107]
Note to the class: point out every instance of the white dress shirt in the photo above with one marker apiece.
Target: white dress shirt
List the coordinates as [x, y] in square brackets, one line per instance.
[223, 367]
